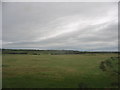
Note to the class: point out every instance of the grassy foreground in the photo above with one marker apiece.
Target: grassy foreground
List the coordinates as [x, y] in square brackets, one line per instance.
[56, 71]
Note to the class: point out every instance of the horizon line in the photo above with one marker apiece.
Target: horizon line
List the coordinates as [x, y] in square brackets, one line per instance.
[63, 49]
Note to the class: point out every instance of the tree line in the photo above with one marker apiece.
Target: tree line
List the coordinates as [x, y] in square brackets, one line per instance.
[51, 52]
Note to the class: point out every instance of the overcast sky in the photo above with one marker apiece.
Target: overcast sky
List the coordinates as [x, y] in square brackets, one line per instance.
[60, 25]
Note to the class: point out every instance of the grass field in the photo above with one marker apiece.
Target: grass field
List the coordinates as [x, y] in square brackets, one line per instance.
[56, 71]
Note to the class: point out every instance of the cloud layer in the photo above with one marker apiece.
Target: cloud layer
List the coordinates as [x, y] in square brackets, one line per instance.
[77, 26]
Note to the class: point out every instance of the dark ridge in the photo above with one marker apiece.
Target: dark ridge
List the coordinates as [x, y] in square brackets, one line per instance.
[51, 52]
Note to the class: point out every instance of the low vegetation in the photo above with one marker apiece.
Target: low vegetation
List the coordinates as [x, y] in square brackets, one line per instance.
[88, 70]
[111, 66]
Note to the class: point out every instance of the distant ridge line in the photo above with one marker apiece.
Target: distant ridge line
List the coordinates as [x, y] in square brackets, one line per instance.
[53, 51]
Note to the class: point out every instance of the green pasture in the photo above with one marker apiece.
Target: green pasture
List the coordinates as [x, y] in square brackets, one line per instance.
[56, 71]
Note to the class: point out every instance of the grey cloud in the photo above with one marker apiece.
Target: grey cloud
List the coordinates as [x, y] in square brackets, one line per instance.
[79, 26]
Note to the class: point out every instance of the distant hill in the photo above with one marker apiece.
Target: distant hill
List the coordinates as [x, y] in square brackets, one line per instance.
[51, 52]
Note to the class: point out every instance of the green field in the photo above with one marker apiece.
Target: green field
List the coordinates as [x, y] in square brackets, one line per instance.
[56, 71]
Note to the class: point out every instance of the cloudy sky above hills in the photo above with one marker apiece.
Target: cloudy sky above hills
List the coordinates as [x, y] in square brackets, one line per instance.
[60, 25]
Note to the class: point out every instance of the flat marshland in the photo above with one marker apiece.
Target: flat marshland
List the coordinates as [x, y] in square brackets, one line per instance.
[57, 71]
